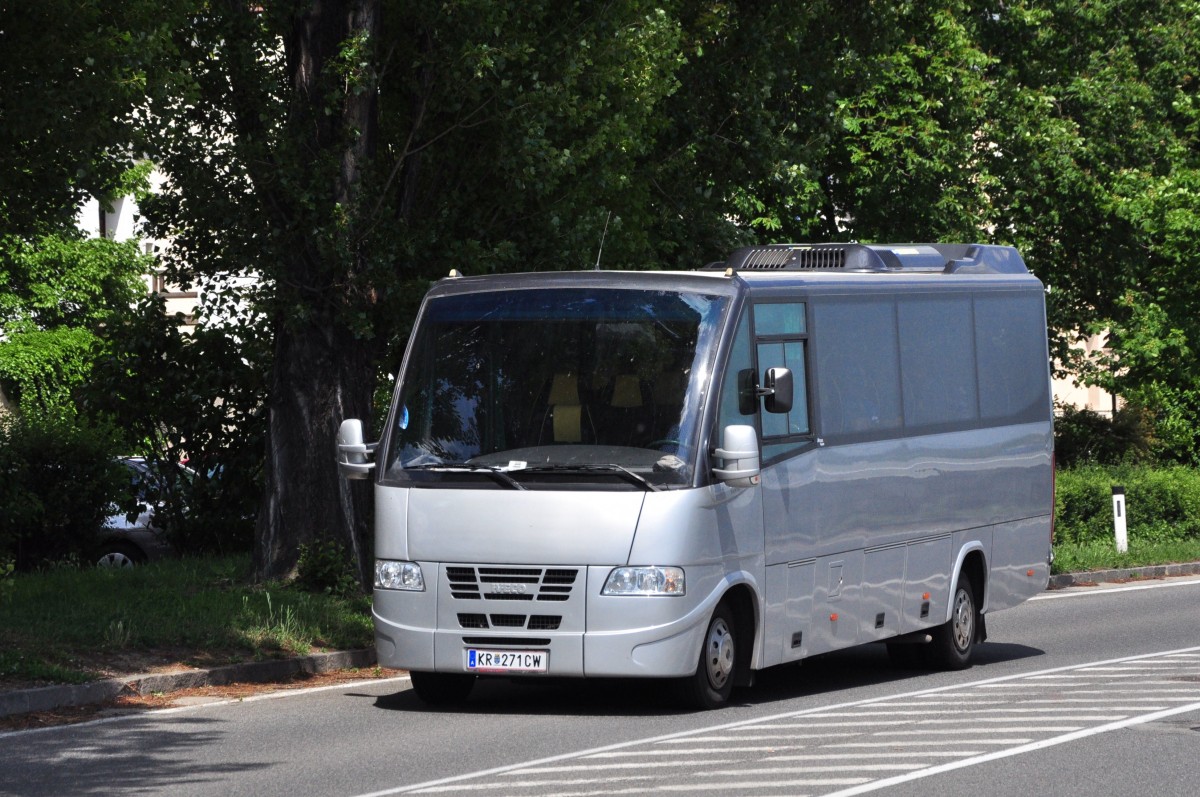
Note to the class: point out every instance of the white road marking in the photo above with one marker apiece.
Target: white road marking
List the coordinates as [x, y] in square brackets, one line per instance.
[1013, 745]
[696, 751]
[1027, 748]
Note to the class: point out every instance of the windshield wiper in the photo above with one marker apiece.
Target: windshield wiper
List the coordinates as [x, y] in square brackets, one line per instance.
[496, 474]
[617, 470]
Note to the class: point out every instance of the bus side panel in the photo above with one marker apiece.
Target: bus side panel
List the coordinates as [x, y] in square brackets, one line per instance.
[801, 583]
[883, 582]
[880, 514]
[926, 583]
[1020, 568]
[881, 493]
[774, 647]
[836, 603]
[391, 523]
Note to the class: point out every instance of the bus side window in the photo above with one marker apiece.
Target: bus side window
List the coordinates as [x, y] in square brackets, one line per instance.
[781, 334]
[860, 366]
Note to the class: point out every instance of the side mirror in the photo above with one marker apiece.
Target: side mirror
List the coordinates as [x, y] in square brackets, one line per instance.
[354, 457]
[777, 388]
[740, 456]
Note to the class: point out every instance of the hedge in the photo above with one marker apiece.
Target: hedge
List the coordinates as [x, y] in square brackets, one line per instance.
[1162, 504]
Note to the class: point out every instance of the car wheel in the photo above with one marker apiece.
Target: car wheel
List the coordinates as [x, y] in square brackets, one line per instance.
[120, 555]
[954, 641]
[442, 688]
[712, 683]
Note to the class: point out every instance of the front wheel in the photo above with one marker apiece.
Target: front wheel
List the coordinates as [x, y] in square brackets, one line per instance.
[954, 641]
[442, 688]
[712, 683]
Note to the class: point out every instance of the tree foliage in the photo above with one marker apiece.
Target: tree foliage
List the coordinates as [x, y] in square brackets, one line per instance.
[1097, 157]
[73, 73]
[347, 152]
[59, 293]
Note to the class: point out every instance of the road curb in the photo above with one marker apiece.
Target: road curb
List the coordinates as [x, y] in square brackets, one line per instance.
[1063, 580]
[48, 698]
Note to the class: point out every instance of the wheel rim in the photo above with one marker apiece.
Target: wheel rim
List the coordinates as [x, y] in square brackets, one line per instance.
[115, 559]
[964, 620]
[718, 657]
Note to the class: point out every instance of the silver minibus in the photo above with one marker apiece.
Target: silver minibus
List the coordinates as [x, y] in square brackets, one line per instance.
[697, 475]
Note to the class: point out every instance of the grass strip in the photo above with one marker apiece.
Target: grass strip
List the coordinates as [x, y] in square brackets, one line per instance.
[1103, 555]
[63, 624]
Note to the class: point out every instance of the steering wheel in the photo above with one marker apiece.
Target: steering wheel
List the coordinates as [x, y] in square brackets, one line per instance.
[666, 441]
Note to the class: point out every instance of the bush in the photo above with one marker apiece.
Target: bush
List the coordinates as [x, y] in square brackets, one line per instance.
[1162, 504]
[58, 480]
[325, 567]
[1084, 437]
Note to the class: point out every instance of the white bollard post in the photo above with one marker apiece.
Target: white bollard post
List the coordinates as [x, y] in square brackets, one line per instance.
[1122, 535]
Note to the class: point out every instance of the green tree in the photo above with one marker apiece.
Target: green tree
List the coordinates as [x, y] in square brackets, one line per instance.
[72, 75]
[347, 163]
[348, 152]
[71, 79]
[58, 294]
[1096, 162]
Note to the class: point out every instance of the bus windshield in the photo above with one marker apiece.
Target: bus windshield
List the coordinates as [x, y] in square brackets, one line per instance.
[534, 387]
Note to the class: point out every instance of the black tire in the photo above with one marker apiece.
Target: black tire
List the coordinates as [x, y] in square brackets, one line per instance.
[954, 641]
[442, 688]
[712, 683]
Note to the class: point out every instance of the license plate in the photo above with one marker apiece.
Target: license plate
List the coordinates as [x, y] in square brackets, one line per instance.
[507, 660]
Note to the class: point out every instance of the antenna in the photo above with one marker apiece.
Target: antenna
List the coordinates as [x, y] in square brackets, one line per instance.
[602, 235]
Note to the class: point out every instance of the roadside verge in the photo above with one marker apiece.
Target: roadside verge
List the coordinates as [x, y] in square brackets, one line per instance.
[49, 698]
[1063, 580]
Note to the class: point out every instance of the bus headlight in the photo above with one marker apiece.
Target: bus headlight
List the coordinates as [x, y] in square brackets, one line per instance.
[391, 574]
[644, 581]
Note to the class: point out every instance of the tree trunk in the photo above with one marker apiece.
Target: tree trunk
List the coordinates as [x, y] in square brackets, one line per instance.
[322, 372]
[320, 376]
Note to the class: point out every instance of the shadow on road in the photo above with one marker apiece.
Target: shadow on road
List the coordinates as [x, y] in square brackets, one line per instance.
[147, 755]
[834, 672]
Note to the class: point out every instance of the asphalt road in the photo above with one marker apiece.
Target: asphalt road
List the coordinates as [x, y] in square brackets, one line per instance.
[1088, 691]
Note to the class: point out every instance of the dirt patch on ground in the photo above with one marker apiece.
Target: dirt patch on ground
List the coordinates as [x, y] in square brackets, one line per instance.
[128, 663]
[129, 704]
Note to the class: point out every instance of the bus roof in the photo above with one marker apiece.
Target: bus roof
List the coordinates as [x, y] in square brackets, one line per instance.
[886, 266]
[876, 258]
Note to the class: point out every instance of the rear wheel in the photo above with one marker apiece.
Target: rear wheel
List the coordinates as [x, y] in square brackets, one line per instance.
[954, 641]
[442, 688]
[712, 683]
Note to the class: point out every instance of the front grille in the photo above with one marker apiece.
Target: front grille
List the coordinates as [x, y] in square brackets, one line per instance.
[511, 583]
[473, 621]
[536, 622]
[508, 620]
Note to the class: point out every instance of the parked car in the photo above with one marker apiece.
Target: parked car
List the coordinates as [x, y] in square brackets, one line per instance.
[125, 541]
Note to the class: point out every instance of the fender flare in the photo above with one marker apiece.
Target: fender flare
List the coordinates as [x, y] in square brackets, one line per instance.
[963, 552]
